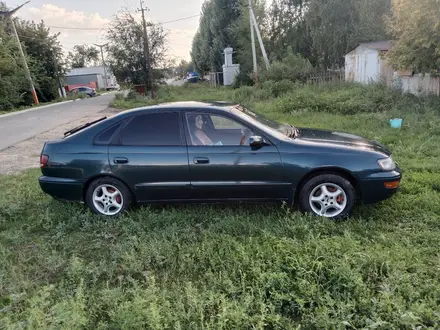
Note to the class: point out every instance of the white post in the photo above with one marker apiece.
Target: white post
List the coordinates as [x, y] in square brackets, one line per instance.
[254, 52]
[260, 40]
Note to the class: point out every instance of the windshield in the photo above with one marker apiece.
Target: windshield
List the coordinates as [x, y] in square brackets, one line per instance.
[280, 131]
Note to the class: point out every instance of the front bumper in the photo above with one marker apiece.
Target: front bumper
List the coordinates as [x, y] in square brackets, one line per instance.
[64, 189]
[373, 187]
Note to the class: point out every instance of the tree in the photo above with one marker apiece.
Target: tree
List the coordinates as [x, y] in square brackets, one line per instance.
[13, 82]
[83, 56]
[184, 67]
[46, 57]
[416, 27]
[43, 55]
[126, 48]
[215, 33]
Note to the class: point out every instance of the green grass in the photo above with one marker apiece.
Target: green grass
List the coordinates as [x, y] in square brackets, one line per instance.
[233, 267]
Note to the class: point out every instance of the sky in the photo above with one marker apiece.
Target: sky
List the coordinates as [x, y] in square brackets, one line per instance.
[62, 14]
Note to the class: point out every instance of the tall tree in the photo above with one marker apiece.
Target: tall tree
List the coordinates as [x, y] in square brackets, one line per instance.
[13, 82]
[83, 56]
[43, 55]
[126, 50]
[46, 56]
[416, 26]
[214, 33]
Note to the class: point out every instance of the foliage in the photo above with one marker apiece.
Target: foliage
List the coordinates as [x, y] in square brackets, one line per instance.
[126, 48]
[83, 56]
[416, 28]
[183, 68]
[43, 54]
[237, 267]
[214, 34]
[292, 67]
[13, 82]
[322, 31]
[46, 58]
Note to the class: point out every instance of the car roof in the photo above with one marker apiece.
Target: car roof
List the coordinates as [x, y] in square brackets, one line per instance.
[191, 105]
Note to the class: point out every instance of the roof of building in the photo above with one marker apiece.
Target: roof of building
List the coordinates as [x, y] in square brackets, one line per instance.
[86, 71]
[382, 45]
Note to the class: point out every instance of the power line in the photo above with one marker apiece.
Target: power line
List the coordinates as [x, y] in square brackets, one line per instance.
[179, 19]
[101, 28]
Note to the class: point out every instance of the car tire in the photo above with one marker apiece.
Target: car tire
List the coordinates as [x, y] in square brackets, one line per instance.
[108, 196]
[328, 195]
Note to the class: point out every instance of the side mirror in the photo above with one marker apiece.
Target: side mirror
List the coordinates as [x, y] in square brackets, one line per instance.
[256, 141]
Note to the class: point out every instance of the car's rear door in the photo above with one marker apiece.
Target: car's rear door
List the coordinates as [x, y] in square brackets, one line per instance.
[228, 169]
[150, 155]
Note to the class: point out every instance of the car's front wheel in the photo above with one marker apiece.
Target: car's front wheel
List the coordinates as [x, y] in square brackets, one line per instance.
[328, 195]
[108, 196]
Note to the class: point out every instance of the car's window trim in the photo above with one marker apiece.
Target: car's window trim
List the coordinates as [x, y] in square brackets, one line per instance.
[227, 115]
[130, 119]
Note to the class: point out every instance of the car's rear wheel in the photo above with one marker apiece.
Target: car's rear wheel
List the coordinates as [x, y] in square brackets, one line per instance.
[328, 195]
[108, 196]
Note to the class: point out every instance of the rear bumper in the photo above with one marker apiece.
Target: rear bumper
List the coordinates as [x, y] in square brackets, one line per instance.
[65, 189]
[373, 188]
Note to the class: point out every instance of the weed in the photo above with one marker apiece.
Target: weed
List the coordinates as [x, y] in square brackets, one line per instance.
[240, 266]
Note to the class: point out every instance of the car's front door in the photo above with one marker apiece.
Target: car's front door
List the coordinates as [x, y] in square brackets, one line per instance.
[224, 166]
[151, 157]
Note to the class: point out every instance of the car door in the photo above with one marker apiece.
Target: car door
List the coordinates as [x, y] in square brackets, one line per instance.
[151, 157]
[226, 166]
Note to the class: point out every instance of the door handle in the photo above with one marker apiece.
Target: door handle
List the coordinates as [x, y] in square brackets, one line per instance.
[120, 160]
[201, 160]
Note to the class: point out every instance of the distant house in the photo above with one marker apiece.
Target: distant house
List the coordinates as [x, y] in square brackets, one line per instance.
[90, 76]
[367, 63]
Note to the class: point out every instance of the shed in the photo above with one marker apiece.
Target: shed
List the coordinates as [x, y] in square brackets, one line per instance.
[367, 63]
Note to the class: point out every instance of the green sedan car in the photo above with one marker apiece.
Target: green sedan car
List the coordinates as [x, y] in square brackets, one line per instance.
[213, 153]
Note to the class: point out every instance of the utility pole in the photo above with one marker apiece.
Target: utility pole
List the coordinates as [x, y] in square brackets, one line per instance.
[103, 63]
[254, 52]
[28, 73]
[60, 85]
[149, 73]
[260, 40]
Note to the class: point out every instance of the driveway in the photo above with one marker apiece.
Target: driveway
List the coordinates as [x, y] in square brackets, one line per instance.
[22, 126]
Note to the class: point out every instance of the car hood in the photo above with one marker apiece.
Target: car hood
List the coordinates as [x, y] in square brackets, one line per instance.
[341, 139]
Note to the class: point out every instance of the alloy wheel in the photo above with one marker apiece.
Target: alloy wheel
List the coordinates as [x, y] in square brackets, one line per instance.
[328, 200]
[107, 199]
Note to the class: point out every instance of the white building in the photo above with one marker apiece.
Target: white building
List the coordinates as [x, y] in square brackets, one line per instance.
[95, 74]
[367, 63]
[230, 70]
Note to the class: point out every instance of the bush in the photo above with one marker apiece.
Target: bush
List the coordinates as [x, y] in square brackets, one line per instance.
[242, 79]
[293, 67]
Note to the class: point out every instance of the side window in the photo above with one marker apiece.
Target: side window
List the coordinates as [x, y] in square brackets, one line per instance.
[155, 129]
[105, 136]
[224, 123]
[216, 130]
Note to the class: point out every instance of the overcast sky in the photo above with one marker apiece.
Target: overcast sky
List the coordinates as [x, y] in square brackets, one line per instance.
[97, 13]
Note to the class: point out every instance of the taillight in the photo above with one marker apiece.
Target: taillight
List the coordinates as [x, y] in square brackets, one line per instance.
[44, 160]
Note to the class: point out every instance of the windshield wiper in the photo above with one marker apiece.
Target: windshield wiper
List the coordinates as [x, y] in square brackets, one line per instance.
[80, 128]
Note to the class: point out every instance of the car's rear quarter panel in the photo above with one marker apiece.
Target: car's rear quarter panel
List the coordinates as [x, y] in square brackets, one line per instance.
[71, 166]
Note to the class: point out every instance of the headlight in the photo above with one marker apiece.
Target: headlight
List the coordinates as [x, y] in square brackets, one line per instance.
[387, 164]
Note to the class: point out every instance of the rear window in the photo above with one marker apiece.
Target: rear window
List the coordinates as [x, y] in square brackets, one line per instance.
[155, 129]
